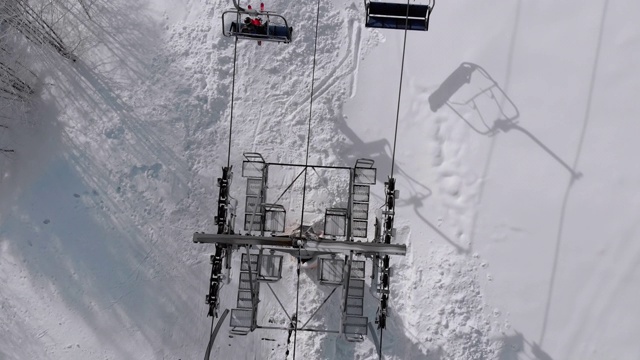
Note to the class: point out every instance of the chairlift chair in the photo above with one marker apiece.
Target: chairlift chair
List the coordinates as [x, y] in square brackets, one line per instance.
[396, 15]
[274, 27]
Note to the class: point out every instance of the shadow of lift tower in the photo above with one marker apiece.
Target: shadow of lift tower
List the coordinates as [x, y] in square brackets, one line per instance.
[342, 259]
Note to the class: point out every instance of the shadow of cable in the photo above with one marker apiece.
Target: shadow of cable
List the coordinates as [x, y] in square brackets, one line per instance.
[506, 125]
[565, 200]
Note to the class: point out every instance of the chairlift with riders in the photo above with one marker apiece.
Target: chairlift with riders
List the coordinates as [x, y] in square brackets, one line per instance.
[259, 25]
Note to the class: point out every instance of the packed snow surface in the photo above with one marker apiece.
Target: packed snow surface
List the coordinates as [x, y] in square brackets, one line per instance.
[520, 213]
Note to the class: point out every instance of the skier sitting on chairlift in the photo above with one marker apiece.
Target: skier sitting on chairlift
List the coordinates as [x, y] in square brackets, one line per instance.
[254, 26]
[258, 26]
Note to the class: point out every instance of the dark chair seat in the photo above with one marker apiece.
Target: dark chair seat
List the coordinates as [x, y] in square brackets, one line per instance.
[277, 33]
[395, 23]
[397, 16]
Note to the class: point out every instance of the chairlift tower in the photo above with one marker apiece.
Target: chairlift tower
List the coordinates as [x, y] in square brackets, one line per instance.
[342, 249]
[344, 246]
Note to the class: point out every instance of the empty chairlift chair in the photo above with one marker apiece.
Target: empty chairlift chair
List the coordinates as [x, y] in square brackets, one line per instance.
[401, 16]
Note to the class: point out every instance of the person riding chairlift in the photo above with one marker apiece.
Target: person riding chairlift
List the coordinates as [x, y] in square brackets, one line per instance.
[254, 26]
[248, 25]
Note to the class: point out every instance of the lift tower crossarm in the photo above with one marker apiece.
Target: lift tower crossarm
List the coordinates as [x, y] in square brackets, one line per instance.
[306, 244]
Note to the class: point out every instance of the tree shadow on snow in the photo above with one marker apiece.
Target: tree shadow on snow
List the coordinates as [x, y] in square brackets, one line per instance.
[78, 244]
[85, 231]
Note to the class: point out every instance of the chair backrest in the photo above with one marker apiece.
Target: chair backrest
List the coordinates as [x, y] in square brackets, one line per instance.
[453, 83]
[279, 31]
[398, 10]
[276, 33]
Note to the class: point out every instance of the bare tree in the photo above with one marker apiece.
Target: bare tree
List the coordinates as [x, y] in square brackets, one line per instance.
[16, 79]
[85, 7]
[14, 85]
[30, 23]
[2, 149]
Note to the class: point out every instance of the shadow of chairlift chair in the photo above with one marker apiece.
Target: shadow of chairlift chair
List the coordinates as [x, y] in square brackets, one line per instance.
[461, 77]
[274, 27]
[390, 15]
